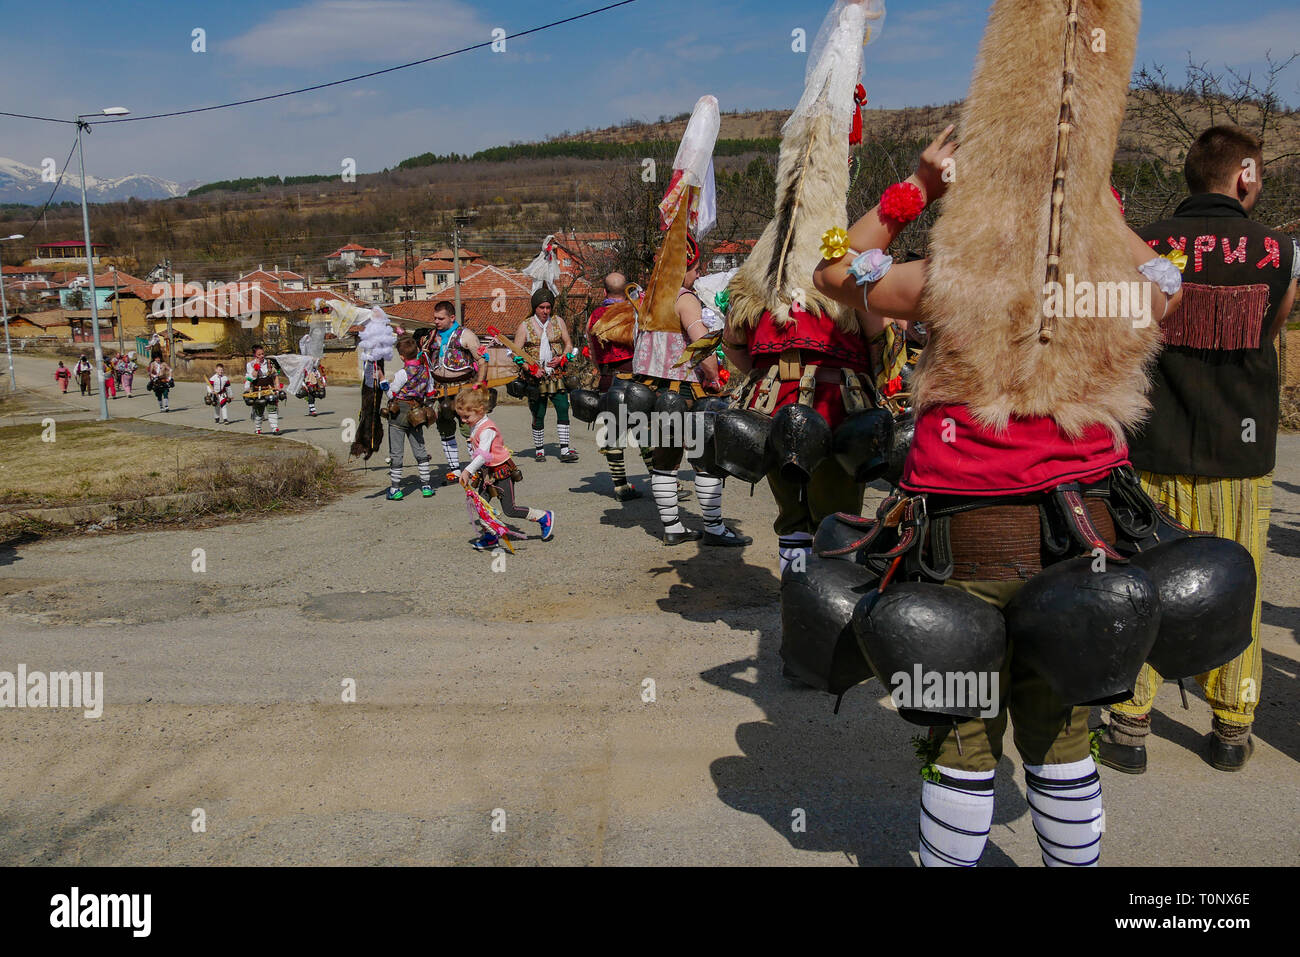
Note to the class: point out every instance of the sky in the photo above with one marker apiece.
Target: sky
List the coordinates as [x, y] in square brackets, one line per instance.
[641, 61]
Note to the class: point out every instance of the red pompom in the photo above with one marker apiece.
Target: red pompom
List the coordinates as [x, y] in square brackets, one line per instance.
[893, 386]
[723, 376]
[902, 202]
[533, 370]
[586, 351]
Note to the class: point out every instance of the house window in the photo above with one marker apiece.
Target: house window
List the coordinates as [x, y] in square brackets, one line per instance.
[273, 331]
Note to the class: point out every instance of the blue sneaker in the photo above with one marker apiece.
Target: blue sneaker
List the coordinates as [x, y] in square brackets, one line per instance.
[486, 542]
[394, 493]
[547, 522]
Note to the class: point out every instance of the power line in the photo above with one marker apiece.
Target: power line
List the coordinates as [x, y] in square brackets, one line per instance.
[57, 184]
[350, 79]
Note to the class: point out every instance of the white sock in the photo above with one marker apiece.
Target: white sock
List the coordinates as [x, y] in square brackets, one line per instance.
[423, 468]
[1065, 804]
[311, 406]
[708, 492]
[792, 547]
[275, 420]
[956, 813]
[562, 433]
[664, 486]
[539, 441]
[536, 514]
[452, 451]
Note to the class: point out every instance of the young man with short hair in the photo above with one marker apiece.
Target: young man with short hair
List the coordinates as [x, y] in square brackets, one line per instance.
[1207, 453]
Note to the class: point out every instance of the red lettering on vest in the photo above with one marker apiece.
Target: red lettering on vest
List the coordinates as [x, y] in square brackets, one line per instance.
[1180, 243]
[1204, 244]
[1237, 256]
[1272, 254]
[1153, 243]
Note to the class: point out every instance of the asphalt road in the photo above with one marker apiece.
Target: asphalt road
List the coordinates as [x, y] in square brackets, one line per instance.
[501, 712]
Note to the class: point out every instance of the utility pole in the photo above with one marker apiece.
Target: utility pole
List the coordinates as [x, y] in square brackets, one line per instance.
[410, 263]
[171, 307]
[455, 259]
[117, 310]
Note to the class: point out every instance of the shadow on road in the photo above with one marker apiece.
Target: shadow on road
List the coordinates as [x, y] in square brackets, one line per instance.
[9, 547]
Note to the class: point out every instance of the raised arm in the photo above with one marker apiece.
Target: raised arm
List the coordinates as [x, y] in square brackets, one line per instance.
[898, 293]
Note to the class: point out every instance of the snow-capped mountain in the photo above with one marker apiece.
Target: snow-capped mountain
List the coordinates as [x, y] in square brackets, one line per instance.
[20, 183]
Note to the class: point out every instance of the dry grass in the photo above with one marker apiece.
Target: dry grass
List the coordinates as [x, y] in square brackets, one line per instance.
[91, 463]
[1290, 418]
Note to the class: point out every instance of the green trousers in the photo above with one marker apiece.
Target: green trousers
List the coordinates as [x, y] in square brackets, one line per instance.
[1046, 730]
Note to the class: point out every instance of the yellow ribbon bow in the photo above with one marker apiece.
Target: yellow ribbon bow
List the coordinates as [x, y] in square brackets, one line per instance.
[1178, 258]
[835, 244]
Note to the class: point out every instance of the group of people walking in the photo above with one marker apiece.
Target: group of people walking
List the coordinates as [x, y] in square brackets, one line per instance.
[118, 374]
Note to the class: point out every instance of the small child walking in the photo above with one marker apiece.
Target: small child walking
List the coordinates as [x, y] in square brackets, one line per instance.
[407, 390]
[219, 388]
[492, 458]
[62, 375]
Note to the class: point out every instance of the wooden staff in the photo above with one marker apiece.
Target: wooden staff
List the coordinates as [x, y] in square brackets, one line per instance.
[1063, 128]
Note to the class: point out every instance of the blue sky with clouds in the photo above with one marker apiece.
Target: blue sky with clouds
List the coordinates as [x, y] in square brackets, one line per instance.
[650, 58]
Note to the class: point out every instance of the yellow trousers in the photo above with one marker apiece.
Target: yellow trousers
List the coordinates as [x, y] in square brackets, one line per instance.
[1230, 508]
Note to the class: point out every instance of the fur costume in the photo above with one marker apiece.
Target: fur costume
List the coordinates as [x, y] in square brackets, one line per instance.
[985, 298]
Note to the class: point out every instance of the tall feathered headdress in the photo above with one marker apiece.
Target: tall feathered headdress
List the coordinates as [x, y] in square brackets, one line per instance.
[812, 176]
[1030, 202]
[688, 202]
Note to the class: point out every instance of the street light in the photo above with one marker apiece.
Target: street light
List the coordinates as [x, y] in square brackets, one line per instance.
[90, 260]
[4, 309]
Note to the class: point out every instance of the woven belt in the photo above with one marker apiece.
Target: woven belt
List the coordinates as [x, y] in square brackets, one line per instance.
[1001, 542]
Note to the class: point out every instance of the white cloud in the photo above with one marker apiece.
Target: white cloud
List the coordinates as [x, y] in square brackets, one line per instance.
[327, 32]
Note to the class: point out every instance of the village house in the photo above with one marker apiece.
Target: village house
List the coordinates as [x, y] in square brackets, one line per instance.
[66, 250]
[276, 277]
[729, 255]
[371, 282]
[231, 314]
[348, 258]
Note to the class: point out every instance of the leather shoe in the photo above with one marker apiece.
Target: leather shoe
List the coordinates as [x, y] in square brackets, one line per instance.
[1131, 759]
[1229, 757]
[677, 538]
[728, 539]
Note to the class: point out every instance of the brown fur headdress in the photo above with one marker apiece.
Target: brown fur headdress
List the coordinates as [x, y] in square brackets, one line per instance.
[985, 297]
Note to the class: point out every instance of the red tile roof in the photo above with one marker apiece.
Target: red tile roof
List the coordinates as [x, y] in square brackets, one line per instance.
[729, 248]
[386, 271]
[447, 254]
[270, 276]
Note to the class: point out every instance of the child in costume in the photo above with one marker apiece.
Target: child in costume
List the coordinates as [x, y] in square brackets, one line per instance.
[219, 389]
[406, 394]
[161, 381]
[62, 376]
[110, 383]
[492, 459]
